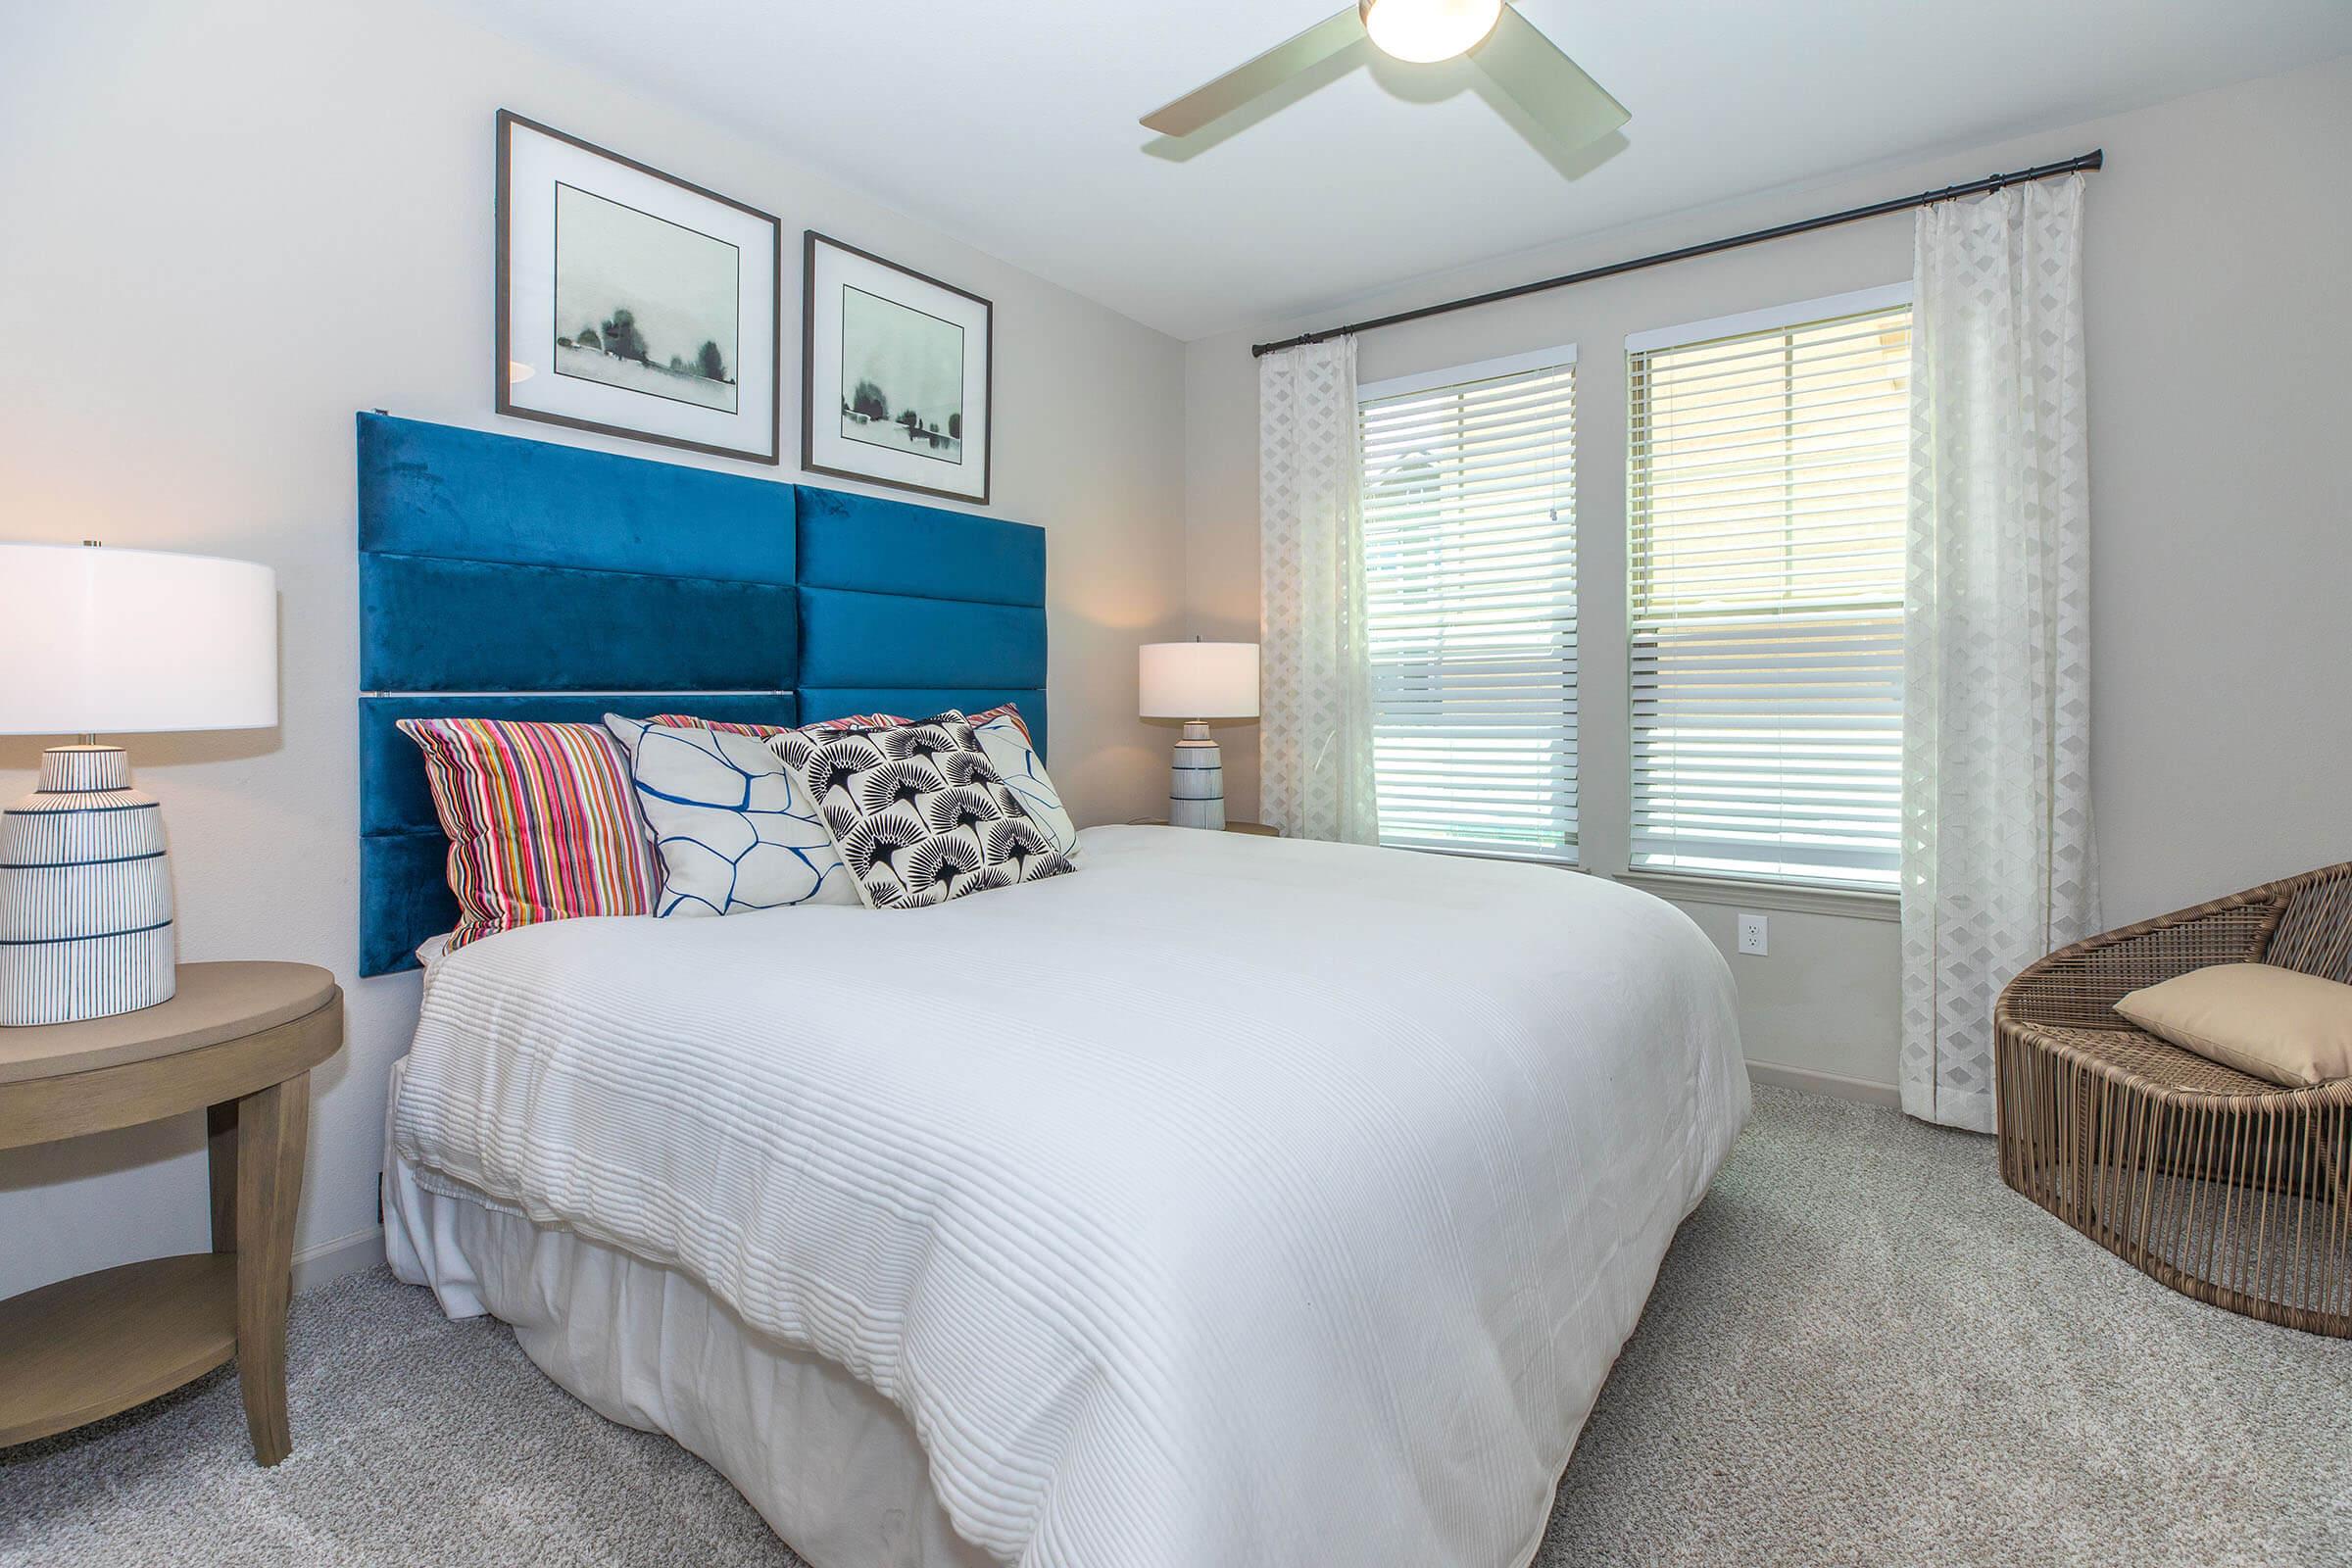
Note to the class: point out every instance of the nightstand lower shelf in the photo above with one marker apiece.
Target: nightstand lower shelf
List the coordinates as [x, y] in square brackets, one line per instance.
[83, 1349]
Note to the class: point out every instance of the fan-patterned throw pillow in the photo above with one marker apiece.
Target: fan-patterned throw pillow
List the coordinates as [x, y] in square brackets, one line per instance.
[917, 813]
[733, 832]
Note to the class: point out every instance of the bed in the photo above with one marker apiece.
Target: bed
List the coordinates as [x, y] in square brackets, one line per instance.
[1231, 1200]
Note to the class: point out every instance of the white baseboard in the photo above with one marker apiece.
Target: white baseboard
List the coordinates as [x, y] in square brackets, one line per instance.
[1837, 1087]
[344, 1254]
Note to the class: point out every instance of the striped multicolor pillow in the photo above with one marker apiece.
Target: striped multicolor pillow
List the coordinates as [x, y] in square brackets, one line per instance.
[542, 823]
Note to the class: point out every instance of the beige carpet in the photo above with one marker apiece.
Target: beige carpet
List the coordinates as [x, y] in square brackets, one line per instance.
[1863, 1350]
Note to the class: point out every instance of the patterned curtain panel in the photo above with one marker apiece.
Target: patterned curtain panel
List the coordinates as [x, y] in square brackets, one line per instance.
[1997, 857]
[1315, 730]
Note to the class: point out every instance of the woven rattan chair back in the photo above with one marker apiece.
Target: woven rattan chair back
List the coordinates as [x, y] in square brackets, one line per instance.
[2315, 928]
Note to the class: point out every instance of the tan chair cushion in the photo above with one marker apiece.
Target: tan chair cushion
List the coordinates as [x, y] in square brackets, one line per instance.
[2289, 1027]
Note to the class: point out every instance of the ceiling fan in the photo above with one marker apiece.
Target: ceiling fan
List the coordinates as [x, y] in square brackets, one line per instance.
[1528, 68]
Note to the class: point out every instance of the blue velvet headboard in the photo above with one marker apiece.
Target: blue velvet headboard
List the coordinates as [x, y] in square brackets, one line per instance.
[520, 579]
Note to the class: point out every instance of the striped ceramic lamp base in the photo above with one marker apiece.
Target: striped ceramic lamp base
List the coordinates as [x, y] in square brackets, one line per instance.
[1196, 781]
[85, 894]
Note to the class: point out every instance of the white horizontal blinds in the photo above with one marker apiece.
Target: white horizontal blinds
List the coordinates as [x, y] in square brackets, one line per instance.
[1766, 497]
[1470, 590]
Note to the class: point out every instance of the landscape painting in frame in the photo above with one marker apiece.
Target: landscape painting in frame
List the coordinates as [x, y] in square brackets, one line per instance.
[632, 303]
[895, 374]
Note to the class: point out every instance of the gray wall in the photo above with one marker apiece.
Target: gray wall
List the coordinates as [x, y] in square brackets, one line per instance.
[2219, 331]
[230, 226]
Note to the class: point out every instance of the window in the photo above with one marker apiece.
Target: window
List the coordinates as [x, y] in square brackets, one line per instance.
[1767, 464]
[1470, 592]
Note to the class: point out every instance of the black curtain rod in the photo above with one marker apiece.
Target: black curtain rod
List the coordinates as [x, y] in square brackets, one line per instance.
[2090, 160]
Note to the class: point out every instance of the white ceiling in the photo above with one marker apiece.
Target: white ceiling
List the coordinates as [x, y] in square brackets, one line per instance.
[1011, 124]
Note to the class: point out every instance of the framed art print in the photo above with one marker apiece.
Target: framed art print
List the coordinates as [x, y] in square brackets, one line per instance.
[895, 372]
[632, 302]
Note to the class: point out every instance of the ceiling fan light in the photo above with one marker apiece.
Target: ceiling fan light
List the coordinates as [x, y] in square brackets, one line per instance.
[1427, 30]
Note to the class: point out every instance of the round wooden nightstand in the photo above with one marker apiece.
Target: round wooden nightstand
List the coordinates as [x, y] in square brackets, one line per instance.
[1259, 829]
[237, 1042]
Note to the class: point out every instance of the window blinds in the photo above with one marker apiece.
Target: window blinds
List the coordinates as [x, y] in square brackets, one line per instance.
[1767, 473]
[1470, 589]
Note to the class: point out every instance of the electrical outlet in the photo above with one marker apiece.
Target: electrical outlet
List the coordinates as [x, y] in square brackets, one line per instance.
[1751, 935]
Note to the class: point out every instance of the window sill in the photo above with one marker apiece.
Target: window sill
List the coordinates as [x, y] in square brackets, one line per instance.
[1855, 904]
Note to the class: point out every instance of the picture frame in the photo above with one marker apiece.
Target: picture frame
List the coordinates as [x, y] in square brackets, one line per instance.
[633, 302]
[898, 374]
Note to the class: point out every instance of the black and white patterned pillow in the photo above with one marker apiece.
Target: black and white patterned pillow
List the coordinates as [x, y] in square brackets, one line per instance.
[916, 812]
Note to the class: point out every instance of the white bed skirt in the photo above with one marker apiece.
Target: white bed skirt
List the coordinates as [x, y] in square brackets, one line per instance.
[833, 1467]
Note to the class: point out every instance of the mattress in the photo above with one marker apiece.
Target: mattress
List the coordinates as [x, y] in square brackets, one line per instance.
[1231, 1200]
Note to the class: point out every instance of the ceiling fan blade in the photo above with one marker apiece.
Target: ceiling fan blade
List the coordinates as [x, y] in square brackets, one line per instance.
[1261, 75]
[1554, 89]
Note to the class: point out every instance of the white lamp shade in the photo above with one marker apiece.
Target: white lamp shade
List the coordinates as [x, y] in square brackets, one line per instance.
[1198, 680]
[102, 641]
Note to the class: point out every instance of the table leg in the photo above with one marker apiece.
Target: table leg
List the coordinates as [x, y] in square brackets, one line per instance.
[271, 1126]
[220, 1151]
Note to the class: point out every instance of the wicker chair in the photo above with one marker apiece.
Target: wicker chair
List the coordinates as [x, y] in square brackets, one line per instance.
[2228, 1188]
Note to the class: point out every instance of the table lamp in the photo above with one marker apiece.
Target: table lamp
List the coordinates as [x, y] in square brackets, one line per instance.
[96, 641]
[1196, 682]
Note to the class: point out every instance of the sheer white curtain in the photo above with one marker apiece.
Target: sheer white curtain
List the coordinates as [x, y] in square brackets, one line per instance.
[1997, 856]
[1315, 727]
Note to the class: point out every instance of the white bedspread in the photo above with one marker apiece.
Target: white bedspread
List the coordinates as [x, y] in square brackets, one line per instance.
[1231, 1202]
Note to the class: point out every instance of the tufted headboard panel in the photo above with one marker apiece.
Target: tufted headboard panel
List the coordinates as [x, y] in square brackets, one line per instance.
[505, 578]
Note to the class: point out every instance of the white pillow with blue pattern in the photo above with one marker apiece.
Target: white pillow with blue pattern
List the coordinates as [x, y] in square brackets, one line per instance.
[734, 831]
[1006, 741]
